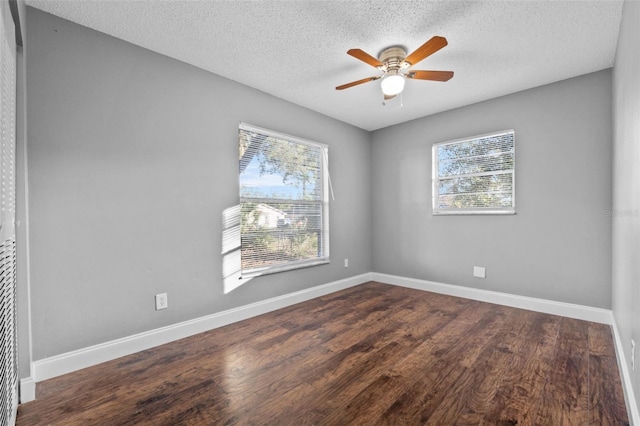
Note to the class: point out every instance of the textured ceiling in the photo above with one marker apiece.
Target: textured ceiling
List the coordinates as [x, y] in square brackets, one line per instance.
[296, 50]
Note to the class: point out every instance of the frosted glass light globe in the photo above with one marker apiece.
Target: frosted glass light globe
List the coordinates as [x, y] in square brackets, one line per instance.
[392, 84]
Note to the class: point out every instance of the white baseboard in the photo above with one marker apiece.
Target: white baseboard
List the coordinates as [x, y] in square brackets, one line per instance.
[71, 361]
[570, 310]
[27, 390]
[630, 400]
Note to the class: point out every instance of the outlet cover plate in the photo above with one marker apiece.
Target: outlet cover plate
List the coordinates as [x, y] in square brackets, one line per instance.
[162, 302]
[479, 272]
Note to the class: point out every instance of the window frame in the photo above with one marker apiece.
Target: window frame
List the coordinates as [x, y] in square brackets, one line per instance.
[323, 202]
[436, 179]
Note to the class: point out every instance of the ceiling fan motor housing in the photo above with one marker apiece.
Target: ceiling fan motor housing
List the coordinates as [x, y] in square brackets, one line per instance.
[393, 59]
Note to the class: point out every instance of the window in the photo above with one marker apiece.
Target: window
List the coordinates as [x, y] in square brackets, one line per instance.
[475, 175]
[284, 222]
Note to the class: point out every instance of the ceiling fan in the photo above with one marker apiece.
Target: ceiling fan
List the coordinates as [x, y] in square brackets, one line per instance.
[395, 65]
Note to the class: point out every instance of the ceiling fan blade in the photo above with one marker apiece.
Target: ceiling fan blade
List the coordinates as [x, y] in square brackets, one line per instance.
[387, 97]
[365, 57]
[355, 83]
[430, 47]
[430, 75]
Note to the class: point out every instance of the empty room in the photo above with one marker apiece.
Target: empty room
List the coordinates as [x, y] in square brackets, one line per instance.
[320, 212]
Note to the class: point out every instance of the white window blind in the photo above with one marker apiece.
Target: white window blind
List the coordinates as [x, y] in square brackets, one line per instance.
[283, 201]
[475, 175]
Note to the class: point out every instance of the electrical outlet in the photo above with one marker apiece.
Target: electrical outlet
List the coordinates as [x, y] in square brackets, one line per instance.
[479, 272]
[633, 355]
[162, 302]
[346, 263]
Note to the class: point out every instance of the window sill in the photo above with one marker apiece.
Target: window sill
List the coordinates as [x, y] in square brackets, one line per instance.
[474, 212]
[252, 273]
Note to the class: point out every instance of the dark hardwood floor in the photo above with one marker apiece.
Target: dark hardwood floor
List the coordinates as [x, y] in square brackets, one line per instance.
[372, 354]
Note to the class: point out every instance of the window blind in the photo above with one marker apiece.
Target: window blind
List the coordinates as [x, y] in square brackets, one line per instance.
[283, 183]
[475, 175]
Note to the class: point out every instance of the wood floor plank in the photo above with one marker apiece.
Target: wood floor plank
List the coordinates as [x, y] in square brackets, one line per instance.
[435, 365]
[565, 397]
[343, 386]
[475, 388]
[532, 348]
[606, 400]
[371, 354]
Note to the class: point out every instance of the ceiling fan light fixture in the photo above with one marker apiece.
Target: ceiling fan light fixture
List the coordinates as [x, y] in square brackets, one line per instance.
[395, 66]
[392, 84]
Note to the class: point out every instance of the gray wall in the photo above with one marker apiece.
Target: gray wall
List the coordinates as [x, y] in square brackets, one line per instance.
[626, 187]
[557, 246]
[132, 159]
